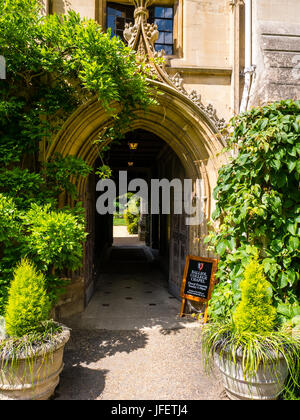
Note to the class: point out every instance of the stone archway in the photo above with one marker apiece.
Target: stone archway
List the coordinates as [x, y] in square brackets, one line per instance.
[188, 130]
[177, 120]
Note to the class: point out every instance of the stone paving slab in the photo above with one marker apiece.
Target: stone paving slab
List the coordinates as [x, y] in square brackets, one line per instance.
[131, 297]
[123, 238]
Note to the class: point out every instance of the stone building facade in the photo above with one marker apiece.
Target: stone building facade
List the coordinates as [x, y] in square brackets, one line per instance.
[221, 57]
[209, 46]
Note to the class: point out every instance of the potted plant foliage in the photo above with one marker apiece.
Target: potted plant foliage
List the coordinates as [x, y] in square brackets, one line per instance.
[255, 359]
[31, 348]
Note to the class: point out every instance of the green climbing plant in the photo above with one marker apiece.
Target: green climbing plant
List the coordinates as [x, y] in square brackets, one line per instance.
[257, 207]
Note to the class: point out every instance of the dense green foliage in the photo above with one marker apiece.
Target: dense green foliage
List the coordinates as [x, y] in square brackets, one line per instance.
[54, 64]
[59, 171]
[28, 304]
[257, 208]
[24, 187]
[52, 239]
[132, 216]
[255, 312]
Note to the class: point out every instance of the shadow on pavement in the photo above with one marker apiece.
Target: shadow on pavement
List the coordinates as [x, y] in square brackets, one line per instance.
[82, 377]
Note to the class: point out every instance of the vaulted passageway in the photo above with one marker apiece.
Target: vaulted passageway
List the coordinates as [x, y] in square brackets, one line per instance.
[153, 255]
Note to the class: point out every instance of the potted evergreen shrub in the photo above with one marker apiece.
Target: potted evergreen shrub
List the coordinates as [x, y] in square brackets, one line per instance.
[254, 359]
[31, 353]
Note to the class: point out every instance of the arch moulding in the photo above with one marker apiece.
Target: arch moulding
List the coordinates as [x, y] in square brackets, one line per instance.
[177, 120]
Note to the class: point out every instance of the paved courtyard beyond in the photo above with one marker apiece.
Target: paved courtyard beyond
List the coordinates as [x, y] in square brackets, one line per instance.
[130, 344]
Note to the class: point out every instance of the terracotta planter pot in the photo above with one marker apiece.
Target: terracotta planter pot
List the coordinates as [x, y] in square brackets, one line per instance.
[36, 378]
[266, 384]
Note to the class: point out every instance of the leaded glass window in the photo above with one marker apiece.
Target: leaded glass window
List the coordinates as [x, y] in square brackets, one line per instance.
[120, 14]
[117, 16]
[163, 18]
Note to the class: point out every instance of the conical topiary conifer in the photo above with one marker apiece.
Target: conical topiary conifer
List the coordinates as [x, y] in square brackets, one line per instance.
[28, 304]
[255, 312]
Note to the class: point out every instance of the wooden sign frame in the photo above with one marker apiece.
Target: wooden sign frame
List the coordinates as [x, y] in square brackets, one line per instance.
[186, 297]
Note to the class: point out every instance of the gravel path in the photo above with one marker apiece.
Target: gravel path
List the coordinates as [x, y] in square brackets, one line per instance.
[136, 365]
[129, 343]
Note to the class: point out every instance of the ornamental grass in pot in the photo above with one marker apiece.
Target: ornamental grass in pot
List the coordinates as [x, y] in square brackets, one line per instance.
[255, 360]
[31, 347]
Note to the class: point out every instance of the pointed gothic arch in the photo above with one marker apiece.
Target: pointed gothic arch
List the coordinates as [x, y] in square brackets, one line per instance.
[188, 130]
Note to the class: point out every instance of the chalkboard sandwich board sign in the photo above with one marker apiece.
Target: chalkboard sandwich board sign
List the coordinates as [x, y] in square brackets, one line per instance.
[198, 281]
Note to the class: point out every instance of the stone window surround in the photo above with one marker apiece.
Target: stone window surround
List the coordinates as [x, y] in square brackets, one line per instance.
[178, 20]
[100, 17]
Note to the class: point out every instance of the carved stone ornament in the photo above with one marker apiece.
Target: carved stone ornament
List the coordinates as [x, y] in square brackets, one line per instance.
[235, 3]
[141, 37]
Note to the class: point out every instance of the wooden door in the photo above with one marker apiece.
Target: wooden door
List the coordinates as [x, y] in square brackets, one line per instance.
[179, 236]
[179, 239]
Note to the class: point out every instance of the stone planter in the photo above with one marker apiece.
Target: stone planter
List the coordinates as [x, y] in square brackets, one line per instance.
[36, 377]
[266, 384]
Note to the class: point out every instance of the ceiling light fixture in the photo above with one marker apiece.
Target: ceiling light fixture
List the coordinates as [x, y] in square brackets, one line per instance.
[133, 146]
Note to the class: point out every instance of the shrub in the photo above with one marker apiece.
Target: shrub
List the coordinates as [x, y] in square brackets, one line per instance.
[255, 312]
[55, 238]
[8, 216]
[133, 228]
[51, 239]
[132, 222]
[23, 187]
[132, 216]
[27, 188]
[10, 248]
[28, 305]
